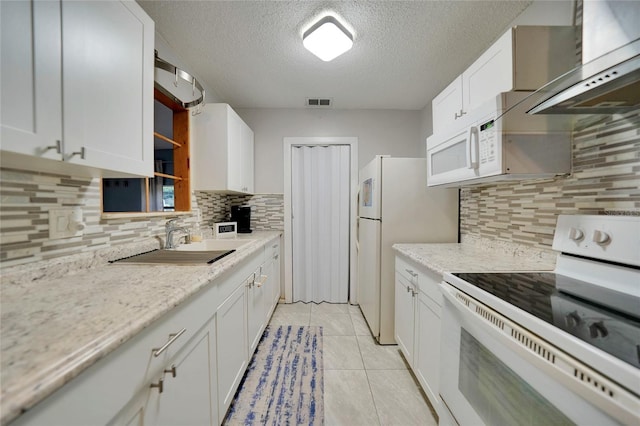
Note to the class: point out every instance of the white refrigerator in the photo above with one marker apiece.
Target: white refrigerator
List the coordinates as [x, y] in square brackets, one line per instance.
[395, 206]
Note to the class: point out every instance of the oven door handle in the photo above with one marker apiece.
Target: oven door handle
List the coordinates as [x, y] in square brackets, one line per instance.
[607, 395]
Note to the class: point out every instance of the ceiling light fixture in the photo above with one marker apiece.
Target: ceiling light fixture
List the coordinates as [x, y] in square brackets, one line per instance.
[327, 39]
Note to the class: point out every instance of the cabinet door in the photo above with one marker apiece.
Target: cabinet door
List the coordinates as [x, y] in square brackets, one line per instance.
[30, 57]
[235, 152]
[231, 347]
[427, 353]
[276, 277]
[247, 157]
[447, 107]
[189, 397]
[107, 82]
[404, 316]
[256, 307]
[490, 74]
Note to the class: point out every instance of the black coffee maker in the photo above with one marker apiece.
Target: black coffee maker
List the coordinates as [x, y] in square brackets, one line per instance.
[242, 215]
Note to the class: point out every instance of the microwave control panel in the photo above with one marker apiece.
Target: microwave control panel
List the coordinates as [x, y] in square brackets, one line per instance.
[487, 142]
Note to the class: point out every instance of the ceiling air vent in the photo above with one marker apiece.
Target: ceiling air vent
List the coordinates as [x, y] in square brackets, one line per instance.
[319, 102]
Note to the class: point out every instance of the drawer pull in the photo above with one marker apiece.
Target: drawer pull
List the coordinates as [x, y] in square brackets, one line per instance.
[251, 281]
[274, 246]
[263, 279]
[276, 256]
[413, 274]
[159, 385]
[173, 370]
[172, 338]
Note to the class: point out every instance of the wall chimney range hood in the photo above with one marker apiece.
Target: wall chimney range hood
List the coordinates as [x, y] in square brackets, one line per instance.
[608, 81]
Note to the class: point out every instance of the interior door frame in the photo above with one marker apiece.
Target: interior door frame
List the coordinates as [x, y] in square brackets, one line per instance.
[288, 144]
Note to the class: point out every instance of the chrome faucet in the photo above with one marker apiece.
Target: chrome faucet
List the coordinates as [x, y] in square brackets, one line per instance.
[170, 227]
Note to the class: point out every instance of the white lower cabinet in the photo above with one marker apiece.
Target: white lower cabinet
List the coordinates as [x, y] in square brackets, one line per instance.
[256, 306]
[427, 355]
[232, 347]
[417, 321]
[183, 392]
[404, 315]
[184, 369]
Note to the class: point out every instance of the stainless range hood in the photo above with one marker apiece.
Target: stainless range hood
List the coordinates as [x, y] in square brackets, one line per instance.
[609, 79]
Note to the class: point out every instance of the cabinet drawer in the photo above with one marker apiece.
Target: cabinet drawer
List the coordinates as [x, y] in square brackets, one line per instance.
[240, 273]
[429, 284]
[407, 269]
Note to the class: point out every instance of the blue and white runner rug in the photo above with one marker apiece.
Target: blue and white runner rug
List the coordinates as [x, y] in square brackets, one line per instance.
[284, 382]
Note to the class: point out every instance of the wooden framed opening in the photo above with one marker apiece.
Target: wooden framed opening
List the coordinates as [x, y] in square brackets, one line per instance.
[169, 190]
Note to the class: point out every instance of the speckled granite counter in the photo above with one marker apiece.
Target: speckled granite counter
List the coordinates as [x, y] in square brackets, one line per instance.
[59, 318]
[477, 255]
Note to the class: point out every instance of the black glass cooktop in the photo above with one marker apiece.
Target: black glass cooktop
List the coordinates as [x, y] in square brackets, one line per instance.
[604, 318]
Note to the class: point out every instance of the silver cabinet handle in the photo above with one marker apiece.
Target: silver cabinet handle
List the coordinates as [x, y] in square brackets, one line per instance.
[251, 281]
[57, 147]
[159, 385]
[274, 246]
[413, 274]
[172, 338]
[80, 153]
[263, 279]
[276, 256]
[408, 289]
[173, 370]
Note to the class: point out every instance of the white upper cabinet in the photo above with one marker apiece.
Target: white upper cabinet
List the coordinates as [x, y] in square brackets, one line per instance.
[107, 79]
[80, 73]
[222, 151]
[447, 106]
[523, 59]
[31, 74]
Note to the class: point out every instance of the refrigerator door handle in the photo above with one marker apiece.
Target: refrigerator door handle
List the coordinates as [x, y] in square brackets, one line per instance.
[358, 235]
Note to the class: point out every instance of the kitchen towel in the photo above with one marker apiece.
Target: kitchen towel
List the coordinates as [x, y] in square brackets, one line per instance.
[284, 381]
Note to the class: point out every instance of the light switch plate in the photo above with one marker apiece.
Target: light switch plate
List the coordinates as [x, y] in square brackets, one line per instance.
[65, 223]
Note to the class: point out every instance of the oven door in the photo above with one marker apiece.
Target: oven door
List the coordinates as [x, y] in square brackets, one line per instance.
[485, 380]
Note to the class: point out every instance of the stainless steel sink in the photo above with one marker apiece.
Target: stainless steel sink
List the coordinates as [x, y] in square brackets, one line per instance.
[176, 257]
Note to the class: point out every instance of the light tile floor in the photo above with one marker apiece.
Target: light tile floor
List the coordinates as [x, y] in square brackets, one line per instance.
[364, 383]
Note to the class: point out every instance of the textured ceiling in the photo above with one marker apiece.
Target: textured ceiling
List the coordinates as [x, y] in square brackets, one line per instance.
[404, 52]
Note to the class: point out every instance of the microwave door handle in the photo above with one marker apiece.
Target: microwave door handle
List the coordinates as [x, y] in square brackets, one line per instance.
[472, 157]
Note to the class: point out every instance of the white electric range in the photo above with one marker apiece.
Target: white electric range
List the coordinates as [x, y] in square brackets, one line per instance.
[549, 348]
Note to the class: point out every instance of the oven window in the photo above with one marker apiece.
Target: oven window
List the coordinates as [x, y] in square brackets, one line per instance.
[496, 393]
[451, 158]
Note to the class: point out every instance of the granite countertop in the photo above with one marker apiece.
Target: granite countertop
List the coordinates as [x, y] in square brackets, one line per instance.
[478, 255]
[59, 318]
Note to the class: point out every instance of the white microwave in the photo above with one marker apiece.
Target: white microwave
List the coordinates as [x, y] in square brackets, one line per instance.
[488, 146]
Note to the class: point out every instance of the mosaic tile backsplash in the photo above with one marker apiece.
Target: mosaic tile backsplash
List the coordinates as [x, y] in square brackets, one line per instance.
[605, 179]
[26, 198]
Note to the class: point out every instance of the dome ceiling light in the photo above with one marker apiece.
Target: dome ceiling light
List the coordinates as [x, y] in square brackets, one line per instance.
[327, 39]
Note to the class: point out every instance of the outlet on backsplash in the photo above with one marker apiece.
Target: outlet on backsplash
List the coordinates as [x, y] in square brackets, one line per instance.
[65, 223]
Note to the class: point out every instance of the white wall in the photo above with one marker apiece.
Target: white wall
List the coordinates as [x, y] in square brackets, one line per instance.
[392, 132]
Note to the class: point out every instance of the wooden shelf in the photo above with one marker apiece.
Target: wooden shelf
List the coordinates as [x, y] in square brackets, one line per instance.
[166, 139]
[167, 176]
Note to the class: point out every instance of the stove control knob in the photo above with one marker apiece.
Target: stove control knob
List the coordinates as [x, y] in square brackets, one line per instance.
[572, 319]
[601, 238]
[576, 234]
[597, 329]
